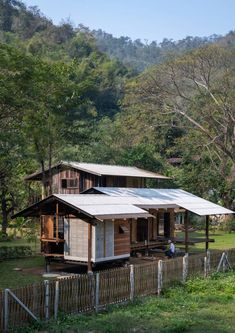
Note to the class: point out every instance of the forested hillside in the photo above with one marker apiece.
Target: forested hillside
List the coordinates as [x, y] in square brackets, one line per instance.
[74, 94]
[143, 55]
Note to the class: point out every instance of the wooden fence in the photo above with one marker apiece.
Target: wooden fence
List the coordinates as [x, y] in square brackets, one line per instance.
[92, 292]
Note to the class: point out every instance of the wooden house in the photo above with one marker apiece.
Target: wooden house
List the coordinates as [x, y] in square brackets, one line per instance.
[73, 177]
[108, 223]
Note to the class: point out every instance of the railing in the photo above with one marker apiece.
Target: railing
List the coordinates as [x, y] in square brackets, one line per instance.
[91, 292]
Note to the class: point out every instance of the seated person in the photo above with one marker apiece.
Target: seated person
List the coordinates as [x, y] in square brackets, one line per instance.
[171, 251]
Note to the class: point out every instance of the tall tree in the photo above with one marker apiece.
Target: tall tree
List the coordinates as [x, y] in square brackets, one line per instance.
[198, 91]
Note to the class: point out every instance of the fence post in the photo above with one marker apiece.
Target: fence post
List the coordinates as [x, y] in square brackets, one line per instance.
[6, 310]
[221, 261]
[208, 254]
[159, 279]
[97, 291]
[132, 282]
[185, 267]
[205, 266]
[224, 263]
[56, 303]
[46, 283]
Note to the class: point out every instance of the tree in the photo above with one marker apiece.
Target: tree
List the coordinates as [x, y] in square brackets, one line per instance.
[198, 91]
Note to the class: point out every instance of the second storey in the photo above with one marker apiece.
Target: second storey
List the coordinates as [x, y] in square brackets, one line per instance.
[74, 177]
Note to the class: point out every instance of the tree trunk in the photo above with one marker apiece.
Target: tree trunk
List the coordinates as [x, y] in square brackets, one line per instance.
[50, 171]
[44, 185]
[4, 214]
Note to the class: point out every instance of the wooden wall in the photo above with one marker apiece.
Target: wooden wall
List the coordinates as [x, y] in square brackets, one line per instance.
[135, 182]
[65, 174]
[47, 226]
[87, 180]
[84, 181]
[116, 181]
[152, 224]
[121, 237]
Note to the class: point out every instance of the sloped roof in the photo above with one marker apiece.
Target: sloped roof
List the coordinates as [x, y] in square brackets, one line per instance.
[94, 206]
[155, 198]
[114, 203]
[104, 170]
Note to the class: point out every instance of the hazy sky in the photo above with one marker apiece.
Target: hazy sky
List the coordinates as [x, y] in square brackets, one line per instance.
[145, 19]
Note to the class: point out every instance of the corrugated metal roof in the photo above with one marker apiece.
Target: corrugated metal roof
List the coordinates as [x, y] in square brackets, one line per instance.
[143, 197]
[103, 170]
[114, 170]
[130, 202]
[103, 206]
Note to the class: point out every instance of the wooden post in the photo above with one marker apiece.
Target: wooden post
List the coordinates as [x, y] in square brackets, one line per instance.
[208, 255]
[56, 302]
[148, 224]
[47, 261]
[104, 245]
[89, 265]
[207, 232]
[159, 280]
[97, 291]
[6, 310]
[185, 267]
[46, 282]
[186, 230]
[132, 286]
[205, 267]
[57, 222]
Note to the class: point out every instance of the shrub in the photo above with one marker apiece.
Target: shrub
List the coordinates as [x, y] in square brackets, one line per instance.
[14, 252]
[4, 237]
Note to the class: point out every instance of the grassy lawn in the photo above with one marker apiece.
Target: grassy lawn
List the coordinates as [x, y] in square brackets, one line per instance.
[9, 278]
[222, 240]
[12, 279]
[23, 242]
[202, 305]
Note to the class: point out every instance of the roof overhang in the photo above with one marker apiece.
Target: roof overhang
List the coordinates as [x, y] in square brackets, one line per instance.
[163, 198]
[81, 209]
[101, 170]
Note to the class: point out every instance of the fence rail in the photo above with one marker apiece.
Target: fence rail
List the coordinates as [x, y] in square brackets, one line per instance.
[91, 292]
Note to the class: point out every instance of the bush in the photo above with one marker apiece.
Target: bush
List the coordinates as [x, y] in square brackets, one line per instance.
[227, 226]
[5, 238]
[14, 252]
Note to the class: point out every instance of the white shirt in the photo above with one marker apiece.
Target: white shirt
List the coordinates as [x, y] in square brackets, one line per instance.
[172, 247]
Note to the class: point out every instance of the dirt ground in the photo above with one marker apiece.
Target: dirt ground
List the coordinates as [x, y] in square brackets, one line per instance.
[68, 268]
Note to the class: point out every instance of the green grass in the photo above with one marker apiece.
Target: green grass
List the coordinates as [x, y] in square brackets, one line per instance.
[22, 242]
[13, 279]
[222, 240]
[202, 305]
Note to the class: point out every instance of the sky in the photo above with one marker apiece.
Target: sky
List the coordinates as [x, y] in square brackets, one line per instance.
[147, 20]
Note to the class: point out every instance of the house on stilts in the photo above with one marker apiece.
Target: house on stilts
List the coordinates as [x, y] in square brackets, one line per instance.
[98, 213]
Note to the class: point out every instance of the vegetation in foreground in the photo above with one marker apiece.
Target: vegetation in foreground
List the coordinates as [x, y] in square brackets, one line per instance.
[201, 305]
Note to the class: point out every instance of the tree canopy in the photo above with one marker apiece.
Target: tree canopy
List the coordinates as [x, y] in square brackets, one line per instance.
[75, 94]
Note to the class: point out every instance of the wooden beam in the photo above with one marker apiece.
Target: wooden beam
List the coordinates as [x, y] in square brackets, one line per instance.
[57, 221]
[186, 220]
[89, 266]
[104, 245]
[207, 232]
[148, 231]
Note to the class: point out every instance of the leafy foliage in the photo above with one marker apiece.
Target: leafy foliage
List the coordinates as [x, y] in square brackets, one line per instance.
[75, 94]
